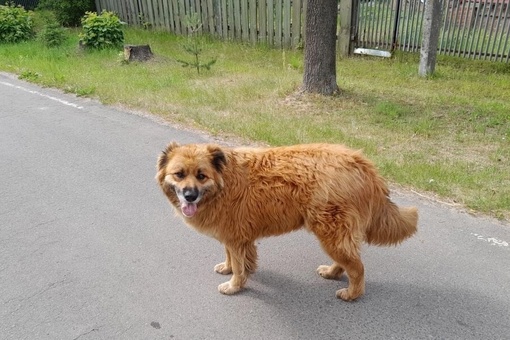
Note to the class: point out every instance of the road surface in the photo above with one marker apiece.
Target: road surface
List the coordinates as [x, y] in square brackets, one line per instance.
[90, 249]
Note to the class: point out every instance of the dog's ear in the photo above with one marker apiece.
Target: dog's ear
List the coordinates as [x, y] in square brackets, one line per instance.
[218, 159]
[163, 157]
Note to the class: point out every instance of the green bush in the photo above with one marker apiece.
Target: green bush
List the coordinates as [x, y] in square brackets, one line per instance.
[68, 12]
[53, 35]
[101, 31]
[16, 24]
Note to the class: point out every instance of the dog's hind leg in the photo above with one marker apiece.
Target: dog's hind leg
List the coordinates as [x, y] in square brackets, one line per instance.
[344, 250]
[353, 267]
[240, 274]
[224, 268]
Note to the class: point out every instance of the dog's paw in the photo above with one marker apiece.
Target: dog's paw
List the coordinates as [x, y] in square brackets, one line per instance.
[345, 295]
[327, 272]
[222, 268]
[227, 289]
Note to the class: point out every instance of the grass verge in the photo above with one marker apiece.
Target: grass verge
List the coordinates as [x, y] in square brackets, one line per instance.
[447, 135]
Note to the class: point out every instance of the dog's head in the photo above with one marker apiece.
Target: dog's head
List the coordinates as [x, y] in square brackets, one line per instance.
[190, 174]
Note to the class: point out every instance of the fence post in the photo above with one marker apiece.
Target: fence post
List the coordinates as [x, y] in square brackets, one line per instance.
[431, 27]
[344, 31]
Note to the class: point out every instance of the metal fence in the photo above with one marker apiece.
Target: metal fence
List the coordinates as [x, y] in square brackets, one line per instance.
[478, 29]
[27, 4]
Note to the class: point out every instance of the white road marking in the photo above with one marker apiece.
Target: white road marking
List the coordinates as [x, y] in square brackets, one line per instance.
[491, 240]
[61, 101]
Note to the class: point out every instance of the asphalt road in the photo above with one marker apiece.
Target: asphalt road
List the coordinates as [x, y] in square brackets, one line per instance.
[90, 249]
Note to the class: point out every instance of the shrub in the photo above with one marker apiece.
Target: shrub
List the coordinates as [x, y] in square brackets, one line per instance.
[68, 12]
[101, 31]
[53, 35]
[16, 23]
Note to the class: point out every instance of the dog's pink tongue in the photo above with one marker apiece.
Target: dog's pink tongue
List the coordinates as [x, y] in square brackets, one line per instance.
[189, 209]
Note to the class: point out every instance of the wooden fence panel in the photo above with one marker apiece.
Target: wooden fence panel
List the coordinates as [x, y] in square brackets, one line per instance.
[275, 22]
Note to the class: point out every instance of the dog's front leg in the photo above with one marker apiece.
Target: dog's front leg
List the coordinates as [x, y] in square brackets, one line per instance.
[224, 268]
[239, 277]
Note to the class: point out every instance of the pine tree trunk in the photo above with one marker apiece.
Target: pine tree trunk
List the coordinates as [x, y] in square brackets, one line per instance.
[320, 47]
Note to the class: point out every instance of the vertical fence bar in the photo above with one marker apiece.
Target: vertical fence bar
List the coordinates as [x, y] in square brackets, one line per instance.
[286, 23]
[262, 21]
[472, 29]
[237, 18]
[482, 33]
[278, 23]
[460, 27]
[506, 17]
[244, 20]
[496, 34]
[467, 24]
[481, 29]
[444, 40]
[406, 14]
[296, 22]
[252, 9]
[489, 26]
[270, 22]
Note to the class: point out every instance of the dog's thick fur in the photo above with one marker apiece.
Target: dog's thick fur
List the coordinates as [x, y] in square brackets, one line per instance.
[239, 195]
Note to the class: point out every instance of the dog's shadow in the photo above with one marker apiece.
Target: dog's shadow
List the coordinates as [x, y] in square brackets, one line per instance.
[310, 304]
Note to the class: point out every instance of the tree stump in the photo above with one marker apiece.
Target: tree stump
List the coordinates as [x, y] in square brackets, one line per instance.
[137, 52]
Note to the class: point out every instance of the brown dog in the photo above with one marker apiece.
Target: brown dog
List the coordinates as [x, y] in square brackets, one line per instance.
[239, 195]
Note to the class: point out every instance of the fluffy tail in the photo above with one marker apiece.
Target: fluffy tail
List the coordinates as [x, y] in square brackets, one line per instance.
[393, 225]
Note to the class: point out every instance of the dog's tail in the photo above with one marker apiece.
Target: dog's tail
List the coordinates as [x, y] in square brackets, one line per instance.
[392, 225]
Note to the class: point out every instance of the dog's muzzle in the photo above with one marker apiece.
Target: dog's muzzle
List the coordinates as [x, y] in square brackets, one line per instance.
[190, 194]
[189, 198]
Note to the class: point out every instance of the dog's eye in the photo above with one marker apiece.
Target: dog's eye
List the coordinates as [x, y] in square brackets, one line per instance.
[201, 177]
[180, 174]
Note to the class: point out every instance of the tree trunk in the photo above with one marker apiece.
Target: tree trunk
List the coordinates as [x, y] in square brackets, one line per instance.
[320, 47]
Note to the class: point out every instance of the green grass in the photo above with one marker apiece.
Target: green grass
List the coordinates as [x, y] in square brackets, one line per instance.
[446, 135]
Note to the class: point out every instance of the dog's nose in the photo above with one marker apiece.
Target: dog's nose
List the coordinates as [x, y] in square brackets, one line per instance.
[190, 194]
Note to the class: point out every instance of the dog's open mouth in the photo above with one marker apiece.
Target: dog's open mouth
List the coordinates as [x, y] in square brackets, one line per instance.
[188, 209]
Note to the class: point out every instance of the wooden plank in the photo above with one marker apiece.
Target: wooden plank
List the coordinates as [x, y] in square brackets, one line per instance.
[270, 22]
[175, 6]
[98, 5]
[230, 19]
[278, 23]
[150, 12]
[286, 23]
[262, 16]
[132, 13]
[252, 25]
[237, 19]
[305, 5]
[223, 20]
[142, 15]
[211, 17]
[297, 19]
[244, 20]
[180, 17]
[201, 10]
[185, 12]
[155, 13]
[171, 15]
[161, 15]
[344, 38]
[166, 15]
